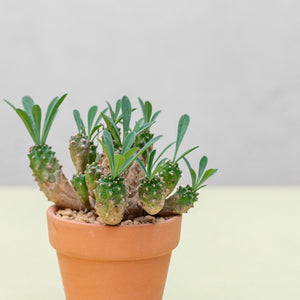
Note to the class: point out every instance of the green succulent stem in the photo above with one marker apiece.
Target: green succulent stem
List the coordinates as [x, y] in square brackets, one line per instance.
[111, 199]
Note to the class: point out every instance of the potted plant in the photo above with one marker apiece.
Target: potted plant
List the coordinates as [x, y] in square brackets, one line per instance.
[115, 224]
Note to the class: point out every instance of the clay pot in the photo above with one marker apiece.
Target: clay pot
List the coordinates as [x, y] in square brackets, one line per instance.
[113, 262]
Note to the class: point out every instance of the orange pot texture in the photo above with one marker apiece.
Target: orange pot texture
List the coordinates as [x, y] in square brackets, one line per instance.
[100, 262]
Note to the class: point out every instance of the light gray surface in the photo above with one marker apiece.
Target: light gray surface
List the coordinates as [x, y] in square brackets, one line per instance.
[236, 244]
[232, 65]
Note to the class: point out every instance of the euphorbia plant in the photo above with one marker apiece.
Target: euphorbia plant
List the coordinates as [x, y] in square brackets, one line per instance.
[125, 180]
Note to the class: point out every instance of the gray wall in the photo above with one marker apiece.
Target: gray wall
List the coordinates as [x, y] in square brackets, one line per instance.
[232, 65]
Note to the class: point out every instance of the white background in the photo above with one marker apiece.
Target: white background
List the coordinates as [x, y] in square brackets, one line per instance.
[233, 66]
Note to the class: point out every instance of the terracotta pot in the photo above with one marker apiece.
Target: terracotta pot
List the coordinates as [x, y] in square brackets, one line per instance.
[113, 262]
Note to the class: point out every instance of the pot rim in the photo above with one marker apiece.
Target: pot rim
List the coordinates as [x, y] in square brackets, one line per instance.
[52, 210]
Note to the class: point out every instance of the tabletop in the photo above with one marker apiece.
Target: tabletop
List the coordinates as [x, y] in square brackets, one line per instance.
[238, 243]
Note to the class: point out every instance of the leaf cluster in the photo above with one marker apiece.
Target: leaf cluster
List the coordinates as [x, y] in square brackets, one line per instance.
[32, 117]
[198, 180]
[93, 125]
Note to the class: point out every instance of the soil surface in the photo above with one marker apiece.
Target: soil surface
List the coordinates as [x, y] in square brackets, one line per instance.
[92, 218]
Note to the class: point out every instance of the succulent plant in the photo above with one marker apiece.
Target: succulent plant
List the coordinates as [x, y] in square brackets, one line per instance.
[185, 197]
[171, 172]
[152, 191]
[43, 162]
[125, 180]
[81, 146]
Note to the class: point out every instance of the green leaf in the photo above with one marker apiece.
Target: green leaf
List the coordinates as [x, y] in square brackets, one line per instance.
[145, 126]
[78, 120]
[140, 163]
[148, 111]
[126, 114]
[28, 103]
[94, 130]
[130, 152]
[100, 116]
[150, 160]
[108, 154]
[26, 120]
[119, 162]
[112, 114]
[112, 128]
[50, 117]
[162, 153]
[181, 130]
[202, 166]
[132, 159]
[143, 108]
[10, 104]
[192, 172]
[110, 146]
[207, 174]
[129, 139]
[158, 168]
[186, 153]
[91, 116]
[49, 110]
[37, 117]
[155, 116]
[118, 108]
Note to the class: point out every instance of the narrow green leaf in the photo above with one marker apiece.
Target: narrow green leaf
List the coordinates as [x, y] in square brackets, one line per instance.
[112, 114]
[192, 172]
[150, 160]
[130, 152]
[78, 120]
[100, 116]
[119, 162]
[108, 154]
[148, 111]
[129, 139]
[140, 163]
[94, 130]
[117, 111]
[181, 130]
[37, 118]
[207, 174]
[138, 124]
[202, 166]
[162, 153]
[158, 168]
[145, 126]
[50, 118]
[91, 116]
[143, 108]
[155, 116]
[28, 103]
[112, 128]
[26, 120]
[10, 104]
[49, 110]
[186, 153]
[110, 146]
[133, 158]
[126, 114]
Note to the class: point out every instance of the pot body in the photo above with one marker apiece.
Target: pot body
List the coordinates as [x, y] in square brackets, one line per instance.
[100, 262]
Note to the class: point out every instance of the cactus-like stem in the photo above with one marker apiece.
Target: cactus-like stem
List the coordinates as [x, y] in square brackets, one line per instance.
[50, 178]
[80, 147]
[79, 185]
[93, 153]
[152, 195]
[180, 202]
[170, 175]
[92, 175]
[111, 199]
